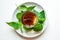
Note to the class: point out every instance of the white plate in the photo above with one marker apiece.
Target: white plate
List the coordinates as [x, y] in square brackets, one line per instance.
[30, 34]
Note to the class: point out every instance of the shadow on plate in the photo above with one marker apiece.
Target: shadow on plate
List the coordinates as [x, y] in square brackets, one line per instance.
[30, 38]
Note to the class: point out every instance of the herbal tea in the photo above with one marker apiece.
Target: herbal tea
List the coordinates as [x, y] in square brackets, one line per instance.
[29, 18]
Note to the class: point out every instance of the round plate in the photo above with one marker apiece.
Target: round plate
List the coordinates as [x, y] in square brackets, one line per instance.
[30, 34]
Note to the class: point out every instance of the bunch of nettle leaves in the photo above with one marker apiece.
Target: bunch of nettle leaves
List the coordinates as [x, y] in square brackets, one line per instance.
[18, 25]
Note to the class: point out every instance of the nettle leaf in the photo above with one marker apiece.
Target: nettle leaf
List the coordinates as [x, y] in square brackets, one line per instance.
[38, 27]
[15, 25]
[41, 18]
[20, 23]
[27, 29]
[42, 14]
[18, 16]
[30, 8]
[23, 8]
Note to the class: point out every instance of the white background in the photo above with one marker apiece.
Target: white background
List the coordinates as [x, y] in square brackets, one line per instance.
[52, 8]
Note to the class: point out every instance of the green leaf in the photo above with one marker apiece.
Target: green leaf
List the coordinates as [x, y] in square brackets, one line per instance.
[18, 16]
[38, 27]
[41, 17]
[15, 25]
[30, 8]
[23, 8]
[42, 14]
[20, 23]
[41, 20]
[27, 29]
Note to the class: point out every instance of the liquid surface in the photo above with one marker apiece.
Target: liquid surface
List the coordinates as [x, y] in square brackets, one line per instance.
[29, 18]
